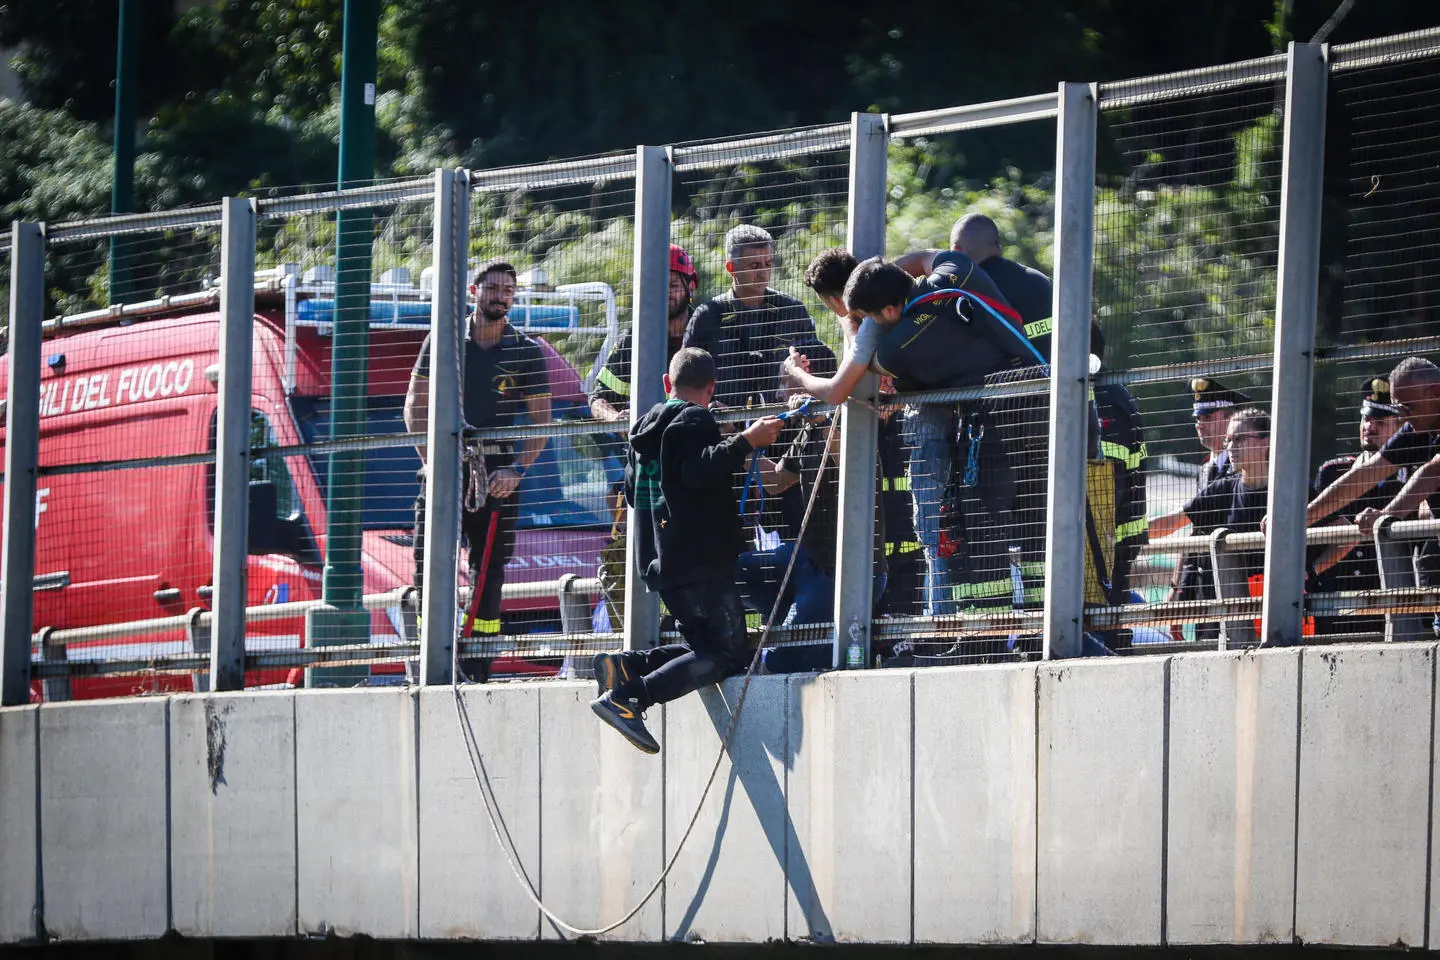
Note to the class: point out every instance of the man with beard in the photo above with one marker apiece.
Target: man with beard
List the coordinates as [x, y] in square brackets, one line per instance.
[503, 377]
[610, 403]
[610, 397]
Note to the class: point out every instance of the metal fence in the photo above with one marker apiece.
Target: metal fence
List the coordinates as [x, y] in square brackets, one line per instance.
[216, 418]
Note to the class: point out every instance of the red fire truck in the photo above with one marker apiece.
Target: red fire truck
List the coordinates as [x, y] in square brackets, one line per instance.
[119, 542]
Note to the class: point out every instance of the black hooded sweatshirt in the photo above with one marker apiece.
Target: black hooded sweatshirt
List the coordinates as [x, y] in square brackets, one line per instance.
[680, 479]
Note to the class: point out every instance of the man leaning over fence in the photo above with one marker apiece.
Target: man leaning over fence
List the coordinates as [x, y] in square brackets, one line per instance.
[503, 376]
[1028, 291]
[934, 333]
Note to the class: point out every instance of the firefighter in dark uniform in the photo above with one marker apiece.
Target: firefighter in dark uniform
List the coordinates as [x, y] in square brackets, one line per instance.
[1213, 404]
[610, 403]
[504, 378]
[750, 328]
[1380, 419]
[906, 577]
[1122, 440]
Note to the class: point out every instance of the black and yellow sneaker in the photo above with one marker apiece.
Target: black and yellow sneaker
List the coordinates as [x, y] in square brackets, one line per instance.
[624, 716]
[610, 671]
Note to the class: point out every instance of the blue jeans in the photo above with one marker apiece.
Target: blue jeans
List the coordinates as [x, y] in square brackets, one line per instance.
[810, 595]
[929, 437]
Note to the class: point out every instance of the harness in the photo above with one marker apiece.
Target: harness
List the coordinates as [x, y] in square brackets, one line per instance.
[989, 308]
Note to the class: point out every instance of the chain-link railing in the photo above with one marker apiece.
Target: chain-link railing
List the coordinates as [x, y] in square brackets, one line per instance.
[380, 434]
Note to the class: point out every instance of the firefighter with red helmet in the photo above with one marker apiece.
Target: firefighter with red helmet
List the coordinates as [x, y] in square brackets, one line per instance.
[610, 397]
[610, 402]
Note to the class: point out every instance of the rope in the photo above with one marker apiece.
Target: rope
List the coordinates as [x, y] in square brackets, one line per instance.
[482, 777]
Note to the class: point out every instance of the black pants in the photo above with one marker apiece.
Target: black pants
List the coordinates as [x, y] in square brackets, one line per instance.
[711, 618]
[475, 528]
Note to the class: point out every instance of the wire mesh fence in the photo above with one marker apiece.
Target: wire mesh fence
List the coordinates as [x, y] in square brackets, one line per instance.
[1186, 240]
[964, 490]
[1378, 299]
[547, 333]
[752, 217]
[1186, 243]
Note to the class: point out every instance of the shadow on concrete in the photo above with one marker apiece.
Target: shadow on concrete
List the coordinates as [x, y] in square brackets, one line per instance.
[749, 754]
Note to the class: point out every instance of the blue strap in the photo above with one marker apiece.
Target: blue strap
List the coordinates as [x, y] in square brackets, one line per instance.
[753, 476]
[1000, 318]
[972, 456]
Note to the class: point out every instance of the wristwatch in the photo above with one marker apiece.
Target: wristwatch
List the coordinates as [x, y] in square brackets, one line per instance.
[518, 470]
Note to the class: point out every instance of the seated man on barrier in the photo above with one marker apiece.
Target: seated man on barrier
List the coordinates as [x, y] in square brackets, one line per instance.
[680, 482]
[811, 458]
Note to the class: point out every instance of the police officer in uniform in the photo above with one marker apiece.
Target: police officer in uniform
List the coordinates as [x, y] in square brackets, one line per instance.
[1213, 404]
[1380, 419]
[1122, 440]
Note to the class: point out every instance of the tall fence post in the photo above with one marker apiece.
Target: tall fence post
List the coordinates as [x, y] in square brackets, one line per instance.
[649, 336]
[443, 429]
[859, 441]
[1069, 370]
[22, 454]
[1297, 295]
[232, 446]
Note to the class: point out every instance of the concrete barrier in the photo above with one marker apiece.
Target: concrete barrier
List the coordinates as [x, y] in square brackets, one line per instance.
[1110, 802]
[232, 815]
[975, 805]
[1101, 801]
[1231, 835]
[850, 795]
[601, 818]
[467, 889]
[729, 882]
[1366, 717]
[357, 869]
[103, 830]
[19, 824]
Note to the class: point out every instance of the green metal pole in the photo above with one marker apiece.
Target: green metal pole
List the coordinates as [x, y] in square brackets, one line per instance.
[122, 189]
[343, 583]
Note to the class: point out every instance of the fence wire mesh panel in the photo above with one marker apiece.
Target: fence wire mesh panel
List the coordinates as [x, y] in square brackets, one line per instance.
[96, 271]
[963, 482]
[752, 218]
[547, 355]
[1382, 246]
[1186, 239]
[343, 300]
[127, 426]
[1379, 299]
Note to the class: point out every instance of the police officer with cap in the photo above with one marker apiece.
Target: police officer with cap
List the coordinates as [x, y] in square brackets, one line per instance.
[1380, 419]
[1213, 404]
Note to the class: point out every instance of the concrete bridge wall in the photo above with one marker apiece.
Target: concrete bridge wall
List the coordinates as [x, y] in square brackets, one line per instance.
[1207, 798]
